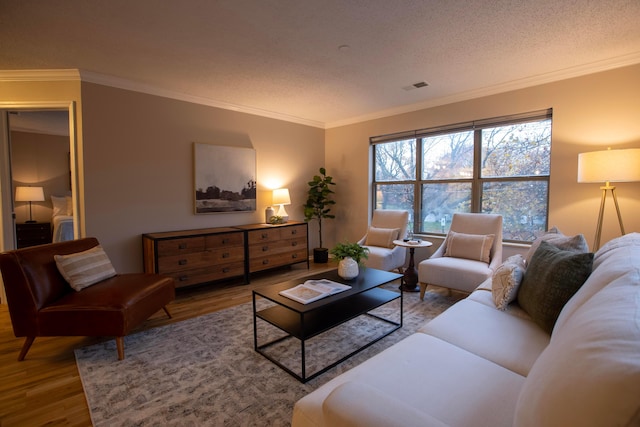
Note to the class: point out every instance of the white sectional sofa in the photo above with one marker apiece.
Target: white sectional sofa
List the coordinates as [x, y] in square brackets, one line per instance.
[476, 365]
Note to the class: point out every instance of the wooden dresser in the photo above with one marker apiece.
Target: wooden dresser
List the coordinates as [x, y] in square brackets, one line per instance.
[194, 257]
[278, 245]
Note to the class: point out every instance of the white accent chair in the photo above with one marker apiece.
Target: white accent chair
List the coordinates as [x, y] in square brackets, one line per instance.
[386, 226]
[456, 268]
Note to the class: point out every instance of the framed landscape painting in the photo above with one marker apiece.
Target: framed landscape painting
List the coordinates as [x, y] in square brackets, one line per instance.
[225, 179]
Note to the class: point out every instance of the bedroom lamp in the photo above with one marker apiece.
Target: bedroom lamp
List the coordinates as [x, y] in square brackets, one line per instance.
[609, 166]
[29, 194]
[281, 197]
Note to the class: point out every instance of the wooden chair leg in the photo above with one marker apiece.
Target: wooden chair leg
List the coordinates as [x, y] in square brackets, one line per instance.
[25, 348]
[423, 288]
[166, 310]
[120, 345]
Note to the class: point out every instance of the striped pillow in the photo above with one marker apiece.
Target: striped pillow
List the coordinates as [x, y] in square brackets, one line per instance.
[470, 246]
[84, 269]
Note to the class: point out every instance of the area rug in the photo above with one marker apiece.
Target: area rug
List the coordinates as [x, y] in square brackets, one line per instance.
[204, 370]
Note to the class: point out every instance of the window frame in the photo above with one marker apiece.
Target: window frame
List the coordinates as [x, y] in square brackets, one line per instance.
[476, 180]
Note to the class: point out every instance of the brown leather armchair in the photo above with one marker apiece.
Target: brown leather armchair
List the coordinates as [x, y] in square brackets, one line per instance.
[41, 303]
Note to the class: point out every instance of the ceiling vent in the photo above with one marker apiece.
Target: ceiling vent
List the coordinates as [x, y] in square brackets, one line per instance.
[416, 86]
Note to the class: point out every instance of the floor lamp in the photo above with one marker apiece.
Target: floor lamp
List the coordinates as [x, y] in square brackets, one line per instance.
[609, 166]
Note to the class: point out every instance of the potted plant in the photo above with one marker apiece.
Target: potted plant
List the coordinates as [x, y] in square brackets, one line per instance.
[318, 206]
[350, 256]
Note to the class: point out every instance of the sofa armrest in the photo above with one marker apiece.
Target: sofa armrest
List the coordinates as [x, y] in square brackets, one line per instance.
[354, 404]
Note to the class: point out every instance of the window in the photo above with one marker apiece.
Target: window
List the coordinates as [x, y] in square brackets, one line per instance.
[493, 166]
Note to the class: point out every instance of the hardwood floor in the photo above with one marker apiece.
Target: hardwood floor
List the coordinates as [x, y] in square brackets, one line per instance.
[45, 388]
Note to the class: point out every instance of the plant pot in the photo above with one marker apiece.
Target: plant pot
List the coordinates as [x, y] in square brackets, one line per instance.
[348, 268]
[320, 255]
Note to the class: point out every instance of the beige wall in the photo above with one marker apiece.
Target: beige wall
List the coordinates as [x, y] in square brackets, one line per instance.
[138, 160]
[589, 113]
[43, 160]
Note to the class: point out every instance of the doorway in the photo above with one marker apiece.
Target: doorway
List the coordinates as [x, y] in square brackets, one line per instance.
[32, 124]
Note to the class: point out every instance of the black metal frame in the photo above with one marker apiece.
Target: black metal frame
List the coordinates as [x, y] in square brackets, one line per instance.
[305, 322]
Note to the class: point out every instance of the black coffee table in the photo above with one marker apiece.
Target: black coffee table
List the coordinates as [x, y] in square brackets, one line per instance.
[305, 321]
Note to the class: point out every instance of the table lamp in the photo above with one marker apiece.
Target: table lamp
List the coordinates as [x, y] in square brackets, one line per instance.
[609, 166]
[281, 197]
[29, 194]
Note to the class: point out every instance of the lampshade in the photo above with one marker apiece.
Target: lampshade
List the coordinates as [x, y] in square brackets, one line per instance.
[609, 166]
[281, 197]
[29, 194]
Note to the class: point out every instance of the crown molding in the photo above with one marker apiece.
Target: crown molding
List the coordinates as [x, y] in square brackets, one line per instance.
[106, 80]
[102, 79]
[39, 75]
[568, 73]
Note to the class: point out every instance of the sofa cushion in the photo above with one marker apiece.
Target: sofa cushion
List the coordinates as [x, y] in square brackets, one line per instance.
[85, 268]
[509, 341]
[551, 279]
[455, 273]
[429, 375]
[356, 404]
[382, 237]
[589, 375]
[469, 246]
[506, 281]
[554, 236]
[609, 263]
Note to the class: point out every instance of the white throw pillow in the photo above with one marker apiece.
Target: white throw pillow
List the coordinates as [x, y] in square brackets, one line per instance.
[506, 280]
[469, 246]
[59, 205]
[382, 237]
[84, 269]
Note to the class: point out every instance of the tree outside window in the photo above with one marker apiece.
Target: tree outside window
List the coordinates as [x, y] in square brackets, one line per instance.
[492, 166]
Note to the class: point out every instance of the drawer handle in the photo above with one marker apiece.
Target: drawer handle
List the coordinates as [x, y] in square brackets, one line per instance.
[225, 241]
[294, 256]
[225, 270]
[183, 278]
[294, 244]
[265, 261]
[265, 248]
[294, 231]
[182, 262]
[225, 255]
[182, 246]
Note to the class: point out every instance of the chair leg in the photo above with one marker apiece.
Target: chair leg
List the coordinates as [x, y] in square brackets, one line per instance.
[120, 346]
[423, 288]
[25, 348]
[166, 310]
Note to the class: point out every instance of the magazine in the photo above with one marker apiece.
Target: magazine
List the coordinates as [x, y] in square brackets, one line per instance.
[313, 290]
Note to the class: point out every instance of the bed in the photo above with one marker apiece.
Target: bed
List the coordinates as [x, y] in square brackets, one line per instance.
[62, 218]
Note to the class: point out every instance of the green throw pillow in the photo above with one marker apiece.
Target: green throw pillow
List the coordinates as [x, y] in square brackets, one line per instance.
[551, 279]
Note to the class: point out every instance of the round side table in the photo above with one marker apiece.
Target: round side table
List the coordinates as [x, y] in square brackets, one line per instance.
[410, 278]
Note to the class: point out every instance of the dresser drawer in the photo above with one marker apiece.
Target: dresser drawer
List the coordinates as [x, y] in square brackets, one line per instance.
[181, 246]
[277, 259]
[224, 240]
[264, 235]
[208, 274]
[187, 261]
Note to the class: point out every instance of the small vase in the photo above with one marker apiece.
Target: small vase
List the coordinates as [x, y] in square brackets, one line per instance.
[348, 268]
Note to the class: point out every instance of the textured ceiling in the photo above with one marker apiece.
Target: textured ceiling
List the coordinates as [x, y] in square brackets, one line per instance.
[281, 58]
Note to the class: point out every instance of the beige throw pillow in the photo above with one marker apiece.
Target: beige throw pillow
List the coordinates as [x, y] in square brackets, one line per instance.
[469, 246]
[506, 281]
[84, 269]
[382, 237]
